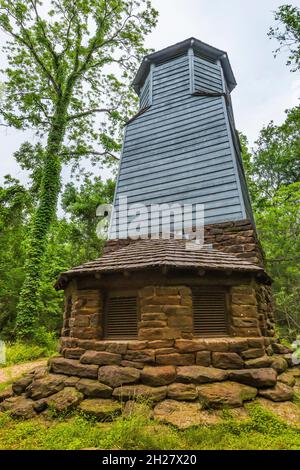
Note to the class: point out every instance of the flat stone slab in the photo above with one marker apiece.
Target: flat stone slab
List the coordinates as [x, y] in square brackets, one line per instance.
[219, 395]
[104, 409]
[254, 377]
[200, 374]
[18, 407]
[63, 401]
[60, 365]
[115, 376]
[184, 414]
[158, 375]
[140, 392]
[281, 392]
[100, 358]
[185, 392]
[93, 388]
[46, 386]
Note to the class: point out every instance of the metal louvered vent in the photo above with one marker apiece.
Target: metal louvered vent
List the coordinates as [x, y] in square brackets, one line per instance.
[210, 312]
[121, 318]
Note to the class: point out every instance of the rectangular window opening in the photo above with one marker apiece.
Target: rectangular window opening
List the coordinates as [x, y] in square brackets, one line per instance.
[210, 312]
[121, 317]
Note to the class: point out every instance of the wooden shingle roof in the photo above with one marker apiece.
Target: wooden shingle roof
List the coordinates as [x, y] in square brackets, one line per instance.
[147, 254]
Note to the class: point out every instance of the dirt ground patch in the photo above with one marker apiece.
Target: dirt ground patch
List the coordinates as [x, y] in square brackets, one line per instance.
[9, 373]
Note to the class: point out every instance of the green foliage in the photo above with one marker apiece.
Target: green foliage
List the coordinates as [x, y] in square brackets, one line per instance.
[72, 240]
[44, 345]
[262, 430]
[287, 32]
[59, 80]
[273, 176]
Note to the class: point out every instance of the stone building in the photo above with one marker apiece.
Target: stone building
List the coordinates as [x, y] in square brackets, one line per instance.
[150, 317]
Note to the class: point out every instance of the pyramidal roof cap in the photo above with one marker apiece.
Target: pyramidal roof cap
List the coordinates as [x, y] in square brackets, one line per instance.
[180, 48]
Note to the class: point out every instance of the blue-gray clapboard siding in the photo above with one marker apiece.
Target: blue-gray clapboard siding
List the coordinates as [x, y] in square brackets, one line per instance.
[182, 150]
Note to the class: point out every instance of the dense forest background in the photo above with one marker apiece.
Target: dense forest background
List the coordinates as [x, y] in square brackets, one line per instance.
[272, 168]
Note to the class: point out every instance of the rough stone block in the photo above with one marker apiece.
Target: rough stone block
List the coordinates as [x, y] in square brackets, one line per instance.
[167, 343]
[100, 358]
[180, 391]
[73, 353]
[145, 355]
[137, 345]
[102, 409]
[60, 365]
[281, 392]
[132, 392]
[244, 311]
[229, 360]
[203, 358]
[116, 347]
[255, 377]
[232, 394]
[115, 376]
[253, 353]
[176, 359]
[200, 374]
[243, 299]
[93, 389]
[152, 324]
[158, 375]
[158, 333]
[186, 345]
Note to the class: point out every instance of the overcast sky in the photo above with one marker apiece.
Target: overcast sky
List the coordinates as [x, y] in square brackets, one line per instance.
[265, 86]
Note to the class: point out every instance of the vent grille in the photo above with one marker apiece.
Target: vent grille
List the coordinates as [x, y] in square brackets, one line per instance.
[210, 312]
[121, 318]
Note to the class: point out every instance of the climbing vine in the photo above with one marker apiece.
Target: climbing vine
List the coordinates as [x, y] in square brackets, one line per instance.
[67, 78]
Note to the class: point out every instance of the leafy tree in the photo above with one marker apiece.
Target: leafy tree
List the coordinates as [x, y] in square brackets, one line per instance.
[287, 32]
[15, 209]
[276, 158]
[272, 171]
[81, 204]
[68, 63]
[278, 224]
[72, 240]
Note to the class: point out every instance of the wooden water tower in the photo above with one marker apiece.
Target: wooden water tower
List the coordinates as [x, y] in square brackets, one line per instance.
[151, 305]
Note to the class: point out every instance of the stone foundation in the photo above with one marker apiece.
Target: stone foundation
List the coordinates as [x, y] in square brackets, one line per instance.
[210, 373]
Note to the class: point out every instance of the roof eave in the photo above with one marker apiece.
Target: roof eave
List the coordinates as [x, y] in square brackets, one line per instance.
[181, 47]
[67, 276]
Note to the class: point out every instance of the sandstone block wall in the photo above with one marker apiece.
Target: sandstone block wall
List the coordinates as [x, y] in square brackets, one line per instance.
[238, 238]
[166, 312]
[83, 316]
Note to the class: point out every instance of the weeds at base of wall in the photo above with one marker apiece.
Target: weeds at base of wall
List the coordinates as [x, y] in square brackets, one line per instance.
[262, 430]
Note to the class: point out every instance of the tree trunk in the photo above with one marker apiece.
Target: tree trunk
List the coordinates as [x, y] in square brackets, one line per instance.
[29, 302]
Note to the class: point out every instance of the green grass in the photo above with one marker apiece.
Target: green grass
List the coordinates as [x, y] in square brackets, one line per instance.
[261, 431]
[44, 345]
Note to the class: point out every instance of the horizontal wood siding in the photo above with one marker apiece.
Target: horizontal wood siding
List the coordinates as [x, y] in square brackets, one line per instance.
[207, 76]
[145, 93]
[179, 150]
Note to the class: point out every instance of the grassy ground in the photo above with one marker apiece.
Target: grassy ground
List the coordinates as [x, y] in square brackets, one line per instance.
[21, 352]
[262, 430]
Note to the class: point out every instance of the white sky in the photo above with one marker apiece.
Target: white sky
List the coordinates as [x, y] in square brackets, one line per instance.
[265, 86]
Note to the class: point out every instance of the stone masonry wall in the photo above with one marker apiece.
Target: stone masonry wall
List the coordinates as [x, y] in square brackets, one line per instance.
[265, 308]
[166, 312]
[83, 314]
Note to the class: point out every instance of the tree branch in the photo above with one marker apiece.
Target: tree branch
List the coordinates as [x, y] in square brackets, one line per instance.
[89, 152]
[88, 112]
